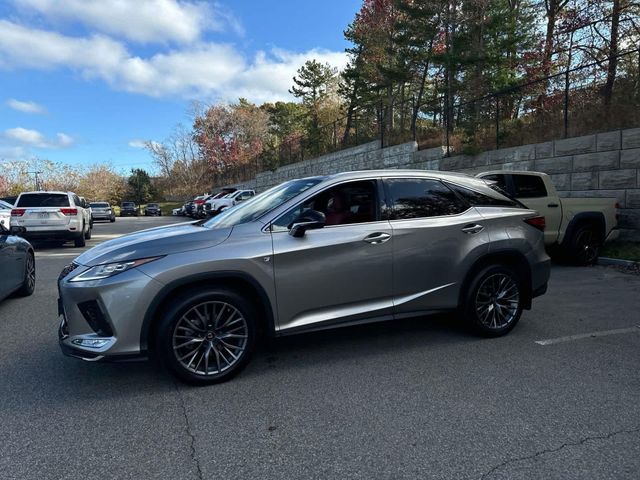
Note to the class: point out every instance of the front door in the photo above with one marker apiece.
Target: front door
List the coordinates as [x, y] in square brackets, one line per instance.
[341, 273]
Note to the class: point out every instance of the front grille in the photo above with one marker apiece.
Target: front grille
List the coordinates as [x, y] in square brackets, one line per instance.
[67, 270]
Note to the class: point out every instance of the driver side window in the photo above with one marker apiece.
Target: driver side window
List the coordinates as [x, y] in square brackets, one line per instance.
[347, 203]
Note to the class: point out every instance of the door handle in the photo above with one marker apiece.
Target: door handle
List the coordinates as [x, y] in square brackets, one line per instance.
[553, 205]
[472, 228]
[376, 238]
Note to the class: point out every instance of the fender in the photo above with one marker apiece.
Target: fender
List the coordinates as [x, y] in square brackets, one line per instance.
[596, 218]
[198, 279]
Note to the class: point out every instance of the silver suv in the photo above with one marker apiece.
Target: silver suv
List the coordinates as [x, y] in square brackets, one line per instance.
[308, 254]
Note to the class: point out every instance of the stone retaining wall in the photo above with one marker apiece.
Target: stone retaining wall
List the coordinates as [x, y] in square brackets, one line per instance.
[600, 165]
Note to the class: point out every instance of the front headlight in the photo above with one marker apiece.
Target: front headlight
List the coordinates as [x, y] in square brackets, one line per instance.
[107, 270]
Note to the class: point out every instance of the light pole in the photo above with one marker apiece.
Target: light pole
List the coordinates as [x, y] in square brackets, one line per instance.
[36, 175]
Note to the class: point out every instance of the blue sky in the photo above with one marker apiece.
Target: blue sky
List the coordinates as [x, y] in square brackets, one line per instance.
[84, 81]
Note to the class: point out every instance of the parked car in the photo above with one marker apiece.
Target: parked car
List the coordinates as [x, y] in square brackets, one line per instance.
[128, 209]
[211, 200]
[230, 200]
[308, 254]
[10, 200]
[5, 213]
[152, 209]
[576, 228]
[17, 262]
[192, 207]
[178, 211]
[57, 216]
[102, 211]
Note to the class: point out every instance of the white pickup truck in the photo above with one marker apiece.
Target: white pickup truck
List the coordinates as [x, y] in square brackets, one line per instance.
[576, 228]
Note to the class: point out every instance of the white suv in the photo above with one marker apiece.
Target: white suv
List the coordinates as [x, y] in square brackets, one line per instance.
[53, 216]
[220, 204]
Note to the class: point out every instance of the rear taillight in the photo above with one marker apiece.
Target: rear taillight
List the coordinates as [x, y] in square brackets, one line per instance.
[199, 202]
[537, 222]
[17, 212]
[69, 211]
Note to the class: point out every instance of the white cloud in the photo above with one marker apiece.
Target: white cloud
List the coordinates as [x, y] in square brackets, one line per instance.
[204, 70]
[34, 138]
[137, 143]
[26, 107]
[144, 21]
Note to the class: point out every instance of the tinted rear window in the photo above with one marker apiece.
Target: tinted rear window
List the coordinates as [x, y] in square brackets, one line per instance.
[419, 198]
[43, 200]
[99, 205]
[478, 199]
[528, 186]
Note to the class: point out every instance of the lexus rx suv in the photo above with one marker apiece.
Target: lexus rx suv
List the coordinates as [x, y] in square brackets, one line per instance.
[308, 254]
[53, 216]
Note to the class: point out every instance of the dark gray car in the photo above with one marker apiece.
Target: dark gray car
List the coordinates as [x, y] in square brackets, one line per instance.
[309, 254]
[17, 263]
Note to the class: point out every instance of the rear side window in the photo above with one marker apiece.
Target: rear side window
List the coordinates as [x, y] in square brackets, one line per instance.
[528, 186]
[478, 199]
[420, 198]
[43, 200]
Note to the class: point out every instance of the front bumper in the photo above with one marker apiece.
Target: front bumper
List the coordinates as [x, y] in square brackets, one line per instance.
[122, 301]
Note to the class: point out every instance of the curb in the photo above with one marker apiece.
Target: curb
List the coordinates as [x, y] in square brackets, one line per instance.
[616, 261]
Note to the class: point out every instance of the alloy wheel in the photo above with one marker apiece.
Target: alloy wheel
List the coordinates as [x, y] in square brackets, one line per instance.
[210, 338]
[497, 301]
[31, 272]
[587, 247]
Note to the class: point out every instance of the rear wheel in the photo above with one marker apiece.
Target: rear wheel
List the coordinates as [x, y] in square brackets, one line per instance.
[80, 240]
[584, 246]
[207, 337]
[29, 282]
[493, 304]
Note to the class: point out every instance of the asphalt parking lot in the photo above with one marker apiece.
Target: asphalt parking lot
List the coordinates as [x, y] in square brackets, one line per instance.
[559, 397]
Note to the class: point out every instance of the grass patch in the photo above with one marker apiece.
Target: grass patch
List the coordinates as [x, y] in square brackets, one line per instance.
[622, 250]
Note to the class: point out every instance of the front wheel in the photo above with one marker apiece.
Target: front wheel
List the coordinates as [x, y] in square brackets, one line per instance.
[207, 337]
[493, 304]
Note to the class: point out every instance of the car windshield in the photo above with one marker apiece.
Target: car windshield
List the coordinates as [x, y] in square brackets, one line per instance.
[153, 205]
[99, 205]
[43, 200]
[127, 204]
[258, 205]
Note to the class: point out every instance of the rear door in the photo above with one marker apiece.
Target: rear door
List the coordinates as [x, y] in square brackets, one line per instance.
[43, 211]
[436, 235]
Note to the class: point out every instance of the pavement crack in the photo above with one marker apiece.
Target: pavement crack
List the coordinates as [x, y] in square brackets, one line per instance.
[557, 449]
[189, 432]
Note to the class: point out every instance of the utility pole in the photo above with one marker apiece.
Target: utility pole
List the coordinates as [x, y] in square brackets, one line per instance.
[37, 181]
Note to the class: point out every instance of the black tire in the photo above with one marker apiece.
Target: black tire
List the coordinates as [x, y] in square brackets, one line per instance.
[29, 282]
[173, 322]
[483, 313]
[584, 246]
[112, 219]
[80, 241]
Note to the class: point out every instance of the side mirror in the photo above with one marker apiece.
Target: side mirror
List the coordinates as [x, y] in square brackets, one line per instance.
[309, 220]
[16, 230]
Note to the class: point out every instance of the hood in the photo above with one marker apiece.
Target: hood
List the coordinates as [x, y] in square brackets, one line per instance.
[154, 242]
